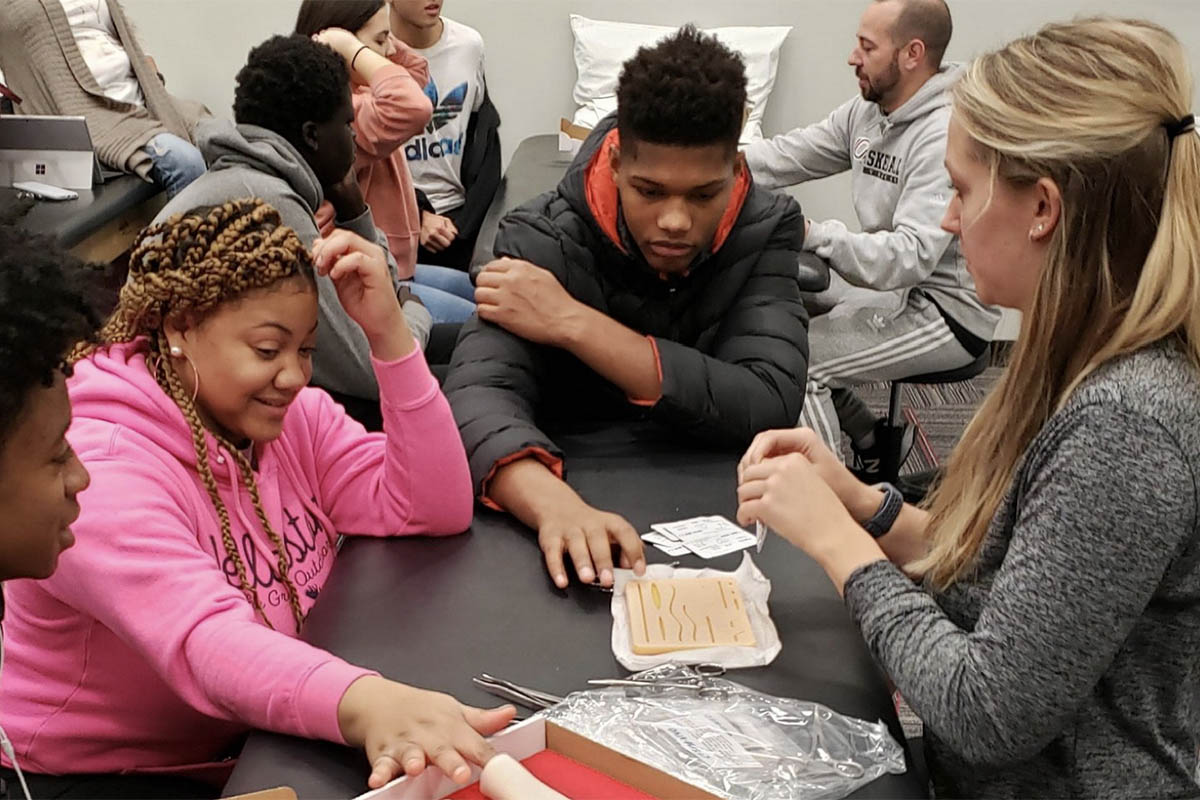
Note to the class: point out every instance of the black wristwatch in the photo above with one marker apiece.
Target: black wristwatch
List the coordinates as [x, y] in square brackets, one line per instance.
[889, 509]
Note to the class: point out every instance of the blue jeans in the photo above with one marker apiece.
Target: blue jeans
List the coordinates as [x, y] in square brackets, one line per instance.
[446, 292]
[174, 163]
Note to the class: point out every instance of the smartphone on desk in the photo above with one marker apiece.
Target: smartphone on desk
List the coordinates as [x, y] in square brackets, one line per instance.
[44, 191]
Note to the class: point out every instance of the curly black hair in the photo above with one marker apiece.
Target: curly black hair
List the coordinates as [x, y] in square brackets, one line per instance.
[287, 81]
[687, 90]
[44, 311]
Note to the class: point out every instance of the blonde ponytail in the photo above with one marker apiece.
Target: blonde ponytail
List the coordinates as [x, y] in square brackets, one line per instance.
[1087, 104]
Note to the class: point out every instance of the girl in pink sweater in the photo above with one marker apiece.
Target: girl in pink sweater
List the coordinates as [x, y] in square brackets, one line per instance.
[390, 108]
[219, 487]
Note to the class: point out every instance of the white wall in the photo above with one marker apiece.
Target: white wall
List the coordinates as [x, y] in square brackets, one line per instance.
[200, 45]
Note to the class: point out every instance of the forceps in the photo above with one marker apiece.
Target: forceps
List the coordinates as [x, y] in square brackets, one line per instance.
[698, 684]
[530, 698]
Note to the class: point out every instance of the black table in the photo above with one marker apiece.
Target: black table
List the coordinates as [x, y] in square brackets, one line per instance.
[536, 167]
[434, 612]
[101, 223]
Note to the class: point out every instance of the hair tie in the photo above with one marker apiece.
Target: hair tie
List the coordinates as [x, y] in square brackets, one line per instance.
[356, 54]
[1180, 126]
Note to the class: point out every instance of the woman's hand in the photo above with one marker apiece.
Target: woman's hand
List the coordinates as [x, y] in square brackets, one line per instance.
[861, 500]
[360, 274]
[403, 728]
[341, 41]
[789, 495]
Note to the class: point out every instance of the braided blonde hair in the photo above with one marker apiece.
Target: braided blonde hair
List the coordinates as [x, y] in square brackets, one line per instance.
[189, 265]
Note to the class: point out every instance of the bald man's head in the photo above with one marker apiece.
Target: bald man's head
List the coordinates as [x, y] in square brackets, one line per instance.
[926, 20]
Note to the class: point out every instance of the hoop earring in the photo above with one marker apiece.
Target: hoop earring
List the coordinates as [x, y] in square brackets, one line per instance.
[196, 375]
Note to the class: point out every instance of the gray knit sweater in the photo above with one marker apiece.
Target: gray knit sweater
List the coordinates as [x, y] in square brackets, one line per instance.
[1068, 666]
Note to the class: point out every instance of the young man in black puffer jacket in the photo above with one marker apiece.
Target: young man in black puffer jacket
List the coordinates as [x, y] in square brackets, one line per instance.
[655, 281]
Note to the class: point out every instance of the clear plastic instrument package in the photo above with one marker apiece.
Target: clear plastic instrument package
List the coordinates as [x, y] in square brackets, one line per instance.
[731, 741]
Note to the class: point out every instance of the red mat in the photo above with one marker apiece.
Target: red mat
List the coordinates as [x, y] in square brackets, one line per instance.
[567, 777]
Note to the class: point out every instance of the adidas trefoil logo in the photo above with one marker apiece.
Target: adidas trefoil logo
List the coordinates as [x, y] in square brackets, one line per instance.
[450, 106]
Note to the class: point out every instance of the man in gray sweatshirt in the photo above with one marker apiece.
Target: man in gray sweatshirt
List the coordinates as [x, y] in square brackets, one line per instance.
[293, 147]
[901, 302]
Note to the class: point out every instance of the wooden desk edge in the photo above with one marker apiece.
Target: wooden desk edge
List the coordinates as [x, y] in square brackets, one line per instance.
[114, 237]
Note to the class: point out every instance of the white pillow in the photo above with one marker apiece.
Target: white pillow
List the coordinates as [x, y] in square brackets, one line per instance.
[601, 48]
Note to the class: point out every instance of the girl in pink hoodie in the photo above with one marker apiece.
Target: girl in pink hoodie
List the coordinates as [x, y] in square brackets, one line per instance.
[44, 312]
[390, 108]
[219, 487]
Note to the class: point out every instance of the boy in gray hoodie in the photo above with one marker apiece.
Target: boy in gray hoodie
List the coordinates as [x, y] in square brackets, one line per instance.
[293, 147]
[901, 302]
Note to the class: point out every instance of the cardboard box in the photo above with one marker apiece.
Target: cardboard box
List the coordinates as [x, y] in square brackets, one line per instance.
[571, 136]
[532, 736]
[278, 793]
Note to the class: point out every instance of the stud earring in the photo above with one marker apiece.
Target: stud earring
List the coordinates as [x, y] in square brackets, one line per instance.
[176, 351]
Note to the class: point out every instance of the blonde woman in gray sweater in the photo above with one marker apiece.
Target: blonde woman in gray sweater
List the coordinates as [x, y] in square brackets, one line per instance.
[1042, 614]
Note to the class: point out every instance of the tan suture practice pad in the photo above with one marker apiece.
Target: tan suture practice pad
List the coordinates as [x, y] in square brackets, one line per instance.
[686, 614]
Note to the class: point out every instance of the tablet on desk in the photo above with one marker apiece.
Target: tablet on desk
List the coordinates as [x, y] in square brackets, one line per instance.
[50, 150]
